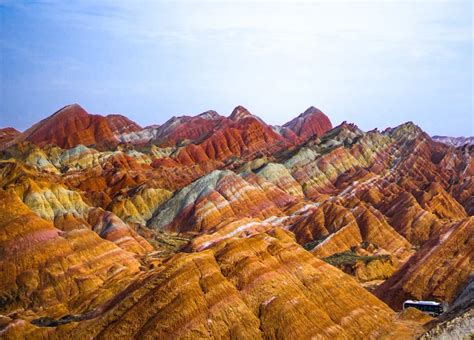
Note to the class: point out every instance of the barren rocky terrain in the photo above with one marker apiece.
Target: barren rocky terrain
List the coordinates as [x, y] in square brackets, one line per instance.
[214, 226]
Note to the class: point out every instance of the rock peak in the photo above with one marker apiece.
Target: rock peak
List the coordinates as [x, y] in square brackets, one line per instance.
[70, 110]
[405, 128]
[347, 125]
[310, 123]
[310, 111]
[209, 115]
[240, 112]
[73, 106]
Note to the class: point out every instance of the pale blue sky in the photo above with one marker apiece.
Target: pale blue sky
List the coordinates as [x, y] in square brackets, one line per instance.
[374, 63]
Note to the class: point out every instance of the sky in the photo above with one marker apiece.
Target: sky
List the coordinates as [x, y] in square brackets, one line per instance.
[374, 63]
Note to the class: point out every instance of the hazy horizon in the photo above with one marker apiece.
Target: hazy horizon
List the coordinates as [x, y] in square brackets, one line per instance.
[376, 64]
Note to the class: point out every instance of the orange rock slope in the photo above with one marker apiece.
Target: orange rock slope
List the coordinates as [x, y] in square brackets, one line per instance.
[47, 270]
[248, 288]
[226, 227]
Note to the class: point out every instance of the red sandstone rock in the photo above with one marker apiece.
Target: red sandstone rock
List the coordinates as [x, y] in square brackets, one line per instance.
[236, 193]
[246, 137]
[312, 122]
[188, 129]
[72, 125]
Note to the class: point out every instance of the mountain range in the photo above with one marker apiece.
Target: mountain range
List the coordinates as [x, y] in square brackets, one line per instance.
[214, 226]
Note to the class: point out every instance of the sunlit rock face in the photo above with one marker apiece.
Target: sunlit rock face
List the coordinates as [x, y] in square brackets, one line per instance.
[279, 175]
[58, 272]
[423, 278]
[65, 208]
[72, 125]
[138, 205]
[216, 227]
[242, 136]
[113, 229]
[310, 123]
[261, 287]
[177, 130]
[213, 200]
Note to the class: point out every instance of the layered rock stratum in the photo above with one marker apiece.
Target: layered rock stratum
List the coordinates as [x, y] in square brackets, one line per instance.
[210, 226]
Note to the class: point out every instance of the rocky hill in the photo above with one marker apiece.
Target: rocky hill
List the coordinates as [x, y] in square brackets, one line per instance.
[215, 226]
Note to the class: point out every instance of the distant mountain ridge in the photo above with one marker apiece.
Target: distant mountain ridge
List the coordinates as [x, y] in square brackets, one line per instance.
[72, 125]
[455, 141]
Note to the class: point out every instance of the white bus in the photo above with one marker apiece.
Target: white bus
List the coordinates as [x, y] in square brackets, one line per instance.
[431, 307]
